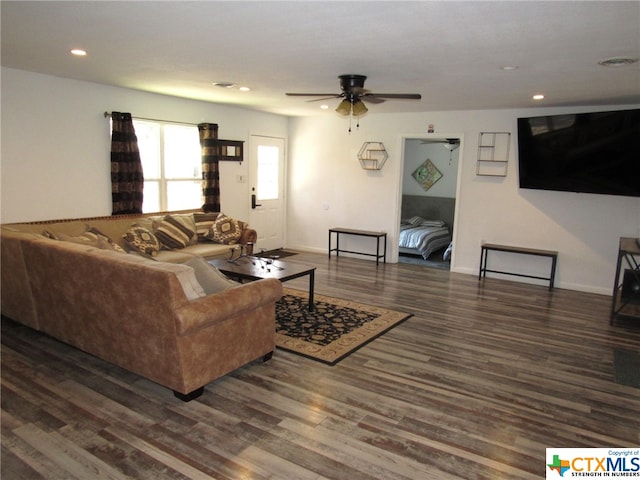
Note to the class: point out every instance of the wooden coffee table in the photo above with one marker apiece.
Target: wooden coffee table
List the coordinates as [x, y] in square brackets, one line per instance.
[256, 268]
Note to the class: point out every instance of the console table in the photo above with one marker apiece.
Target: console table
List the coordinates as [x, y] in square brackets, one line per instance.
[486, 247]
[626, 293]
[362, 233]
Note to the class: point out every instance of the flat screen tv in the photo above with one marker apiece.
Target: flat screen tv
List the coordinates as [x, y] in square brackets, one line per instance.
[583, 152]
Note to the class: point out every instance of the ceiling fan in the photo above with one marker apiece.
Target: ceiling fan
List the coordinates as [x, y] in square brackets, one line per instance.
[449, 143]
[353, 94]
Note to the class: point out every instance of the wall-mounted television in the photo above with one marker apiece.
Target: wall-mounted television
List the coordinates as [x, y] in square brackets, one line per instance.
[595, 152]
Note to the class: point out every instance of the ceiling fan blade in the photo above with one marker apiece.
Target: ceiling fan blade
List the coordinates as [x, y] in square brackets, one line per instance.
[325, 98]
[407, 96]
[450, 141]
[329, 95]
[373, 99]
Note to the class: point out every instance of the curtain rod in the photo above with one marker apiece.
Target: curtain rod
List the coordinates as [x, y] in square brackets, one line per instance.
[108, 115]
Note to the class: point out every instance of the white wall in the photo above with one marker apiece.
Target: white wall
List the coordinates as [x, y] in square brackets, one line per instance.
[55, 144]
[324, 171]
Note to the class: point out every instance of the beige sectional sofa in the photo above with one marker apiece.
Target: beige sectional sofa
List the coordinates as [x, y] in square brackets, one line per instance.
[166, 315]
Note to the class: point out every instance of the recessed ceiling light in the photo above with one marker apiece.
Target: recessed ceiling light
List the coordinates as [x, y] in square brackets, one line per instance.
[224, 84]
[538, 96]
[617, 61]
[324, 107]
[78, 52]
[509, 67]
[244, 89]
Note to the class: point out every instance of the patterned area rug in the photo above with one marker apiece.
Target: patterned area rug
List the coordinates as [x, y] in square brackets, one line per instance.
[333, 330]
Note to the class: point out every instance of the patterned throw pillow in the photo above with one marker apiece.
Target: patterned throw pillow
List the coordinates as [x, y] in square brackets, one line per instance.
[175, 231]
[225, 230]
[141, 239]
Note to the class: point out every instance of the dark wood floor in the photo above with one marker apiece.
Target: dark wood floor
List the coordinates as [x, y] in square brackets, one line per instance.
[475, 385]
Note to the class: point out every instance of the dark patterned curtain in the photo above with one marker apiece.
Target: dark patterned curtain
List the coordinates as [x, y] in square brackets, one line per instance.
[210, 171]
[127, 180]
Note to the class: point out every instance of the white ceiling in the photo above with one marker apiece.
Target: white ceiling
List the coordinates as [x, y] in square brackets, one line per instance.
[450, 52]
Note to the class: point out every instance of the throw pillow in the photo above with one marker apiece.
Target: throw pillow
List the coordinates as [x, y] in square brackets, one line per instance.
[111, 244]
[225, 230]
[204, 222]
[141, 239]
[209, 277]
[174, 231]
[415, 221]
[87, 238]
[91, 238]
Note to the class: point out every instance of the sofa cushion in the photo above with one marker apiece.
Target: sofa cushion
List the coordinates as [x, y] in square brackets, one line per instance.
[141, 239]
[225, 230]
[175, 231]
[209, 277]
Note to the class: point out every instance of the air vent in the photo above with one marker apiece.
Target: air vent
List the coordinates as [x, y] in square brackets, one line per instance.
[224, 84]
[617, 61]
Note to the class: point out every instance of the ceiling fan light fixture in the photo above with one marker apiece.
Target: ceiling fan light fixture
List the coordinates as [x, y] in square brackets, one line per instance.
[359, 108]
[451, 146]
[344, 108]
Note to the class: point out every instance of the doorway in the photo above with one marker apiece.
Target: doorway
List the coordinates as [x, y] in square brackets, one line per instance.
[266, 180]
[429, 190]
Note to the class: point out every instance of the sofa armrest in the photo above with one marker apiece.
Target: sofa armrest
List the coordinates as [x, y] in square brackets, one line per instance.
[204, 312]
[248, 237]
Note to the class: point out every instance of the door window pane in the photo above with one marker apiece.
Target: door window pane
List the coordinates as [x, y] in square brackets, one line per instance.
[267, 182]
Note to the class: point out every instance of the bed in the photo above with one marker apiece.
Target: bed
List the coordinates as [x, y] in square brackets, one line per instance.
[426, 225]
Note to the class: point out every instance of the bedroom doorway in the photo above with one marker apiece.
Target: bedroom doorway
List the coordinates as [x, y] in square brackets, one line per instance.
[429, 190]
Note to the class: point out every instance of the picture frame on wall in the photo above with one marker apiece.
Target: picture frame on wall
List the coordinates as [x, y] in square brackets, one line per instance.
[427, 174]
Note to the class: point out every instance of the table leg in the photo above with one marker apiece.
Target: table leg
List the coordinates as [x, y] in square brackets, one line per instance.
[482, 258]
[311, 287]
[384, 257]
[554, 261]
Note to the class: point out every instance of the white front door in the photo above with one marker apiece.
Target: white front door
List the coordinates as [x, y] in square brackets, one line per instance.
[266, 177]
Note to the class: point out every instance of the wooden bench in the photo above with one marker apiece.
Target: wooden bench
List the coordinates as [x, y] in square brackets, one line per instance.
[362, 233]
[486, 247]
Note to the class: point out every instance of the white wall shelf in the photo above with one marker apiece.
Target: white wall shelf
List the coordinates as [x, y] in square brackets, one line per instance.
[493, 154]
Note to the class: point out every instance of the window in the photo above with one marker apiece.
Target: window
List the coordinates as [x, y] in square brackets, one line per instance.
[171, 164]
[267, 173]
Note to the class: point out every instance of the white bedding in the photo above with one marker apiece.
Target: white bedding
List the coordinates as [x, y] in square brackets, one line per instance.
[425, 238]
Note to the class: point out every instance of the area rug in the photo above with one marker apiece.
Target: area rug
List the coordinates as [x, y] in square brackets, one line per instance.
[278, 252]
[331, 331]
[627, 367]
